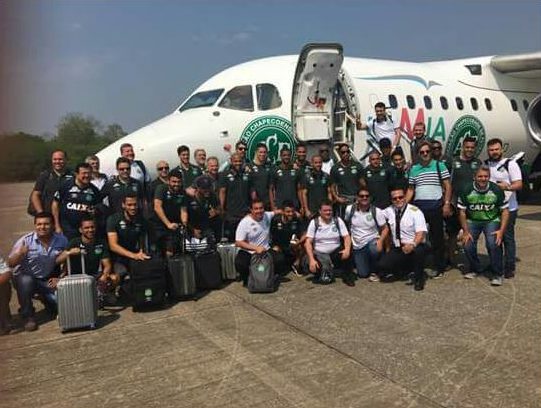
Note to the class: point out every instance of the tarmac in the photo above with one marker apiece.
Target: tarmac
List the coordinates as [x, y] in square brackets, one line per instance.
[458, 343]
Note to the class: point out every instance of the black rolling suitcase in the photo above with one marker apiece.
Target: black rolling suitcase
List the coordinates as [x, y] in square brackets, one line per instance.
[181, 273]
[208, 272]
[147, 282]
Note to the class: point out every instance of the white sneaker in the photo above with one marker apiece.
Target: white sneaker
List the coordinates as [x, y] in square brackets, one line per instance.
[470, 275]
[373, 278]
[498, 281]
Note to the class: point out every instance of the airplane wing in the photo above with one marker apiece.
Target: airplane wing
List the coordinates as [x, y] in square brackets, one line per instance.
[518, 65]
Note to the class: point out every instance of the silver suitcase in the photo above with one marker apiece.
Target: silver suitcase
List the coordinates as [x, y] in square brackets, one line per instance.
[77, 300]
[228, 252]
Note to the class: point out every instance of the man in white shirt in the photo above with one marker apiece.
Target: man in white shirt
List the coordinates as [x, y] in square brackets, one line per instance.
[407, 227]
[138, 169]
[253, 237]
[506, 174]
[365, 222]
[328, 246]
[327, 161]
[382, 126]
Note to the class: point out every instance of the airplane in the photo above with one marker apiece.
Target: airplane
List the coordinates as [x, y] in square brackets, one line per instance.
[314, 97]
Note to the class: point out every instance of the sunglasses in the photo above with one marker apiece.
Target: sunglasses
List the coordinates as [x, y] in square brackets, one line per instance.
[344, 152]
[123, 168]
[396, 198]
[241, 148]
[163, 168]
[424, 152]
[363, 196]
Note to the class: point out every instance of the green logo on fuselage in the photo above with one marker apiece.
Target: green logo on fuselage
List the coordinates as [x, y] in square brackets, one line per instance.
[465, 126]
[273, 131]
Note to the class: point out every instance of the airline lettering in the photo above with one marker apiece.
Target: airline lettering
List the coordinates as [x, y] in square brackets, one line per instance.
[437, 122]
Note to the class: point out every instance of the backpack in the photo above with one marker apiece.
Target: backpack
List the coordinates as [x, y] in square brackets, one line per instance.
[261, 277]
[349, 216]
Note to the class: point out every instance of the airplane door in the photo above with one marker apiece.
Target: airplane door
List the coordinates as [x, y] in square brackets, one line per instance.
[316, 78]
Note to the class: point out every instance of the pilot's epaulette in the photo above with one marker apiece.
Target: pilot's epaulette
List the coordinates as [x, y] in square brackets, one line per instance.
[413, 207]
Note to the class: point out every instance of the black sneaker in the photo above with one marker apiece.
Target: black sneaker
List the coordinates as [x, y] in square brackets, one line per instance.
[509, 274]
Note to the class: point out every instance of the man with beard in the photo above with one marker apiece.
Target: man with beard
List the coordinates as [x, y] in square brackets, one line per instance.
[73, 200]
[189, 171]
[204, 210]
[418, 138]
[260, 171]
[345, 179]
[170, 213]
[506, 174]
[314, 187]
[377, 180]
[121, 185]
[284, 181]
[234, 195]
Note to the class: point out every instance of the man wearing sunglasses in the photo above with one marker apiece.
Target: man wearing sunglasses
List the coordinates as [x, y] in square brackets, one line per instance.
[121, 185]
[162, 169]
[407, 228]
[366, 222]
[241, 149]
[429, 185]
[345, 179]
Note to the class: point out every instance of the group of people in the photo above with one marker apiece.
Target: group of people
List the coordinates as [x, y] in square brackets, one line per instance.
[314, 217]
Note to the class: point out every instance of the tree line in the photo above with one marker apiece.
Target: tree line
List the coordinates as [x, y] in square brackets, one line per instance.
[23, 156]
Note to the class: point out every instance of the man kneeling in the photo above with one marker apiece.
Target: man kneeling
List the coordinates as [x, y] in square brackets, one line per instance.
[328, 246]
[253, 237]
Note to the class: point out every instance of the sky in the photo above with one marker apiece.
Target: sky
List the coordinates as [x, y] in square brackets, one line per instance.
[133, 61]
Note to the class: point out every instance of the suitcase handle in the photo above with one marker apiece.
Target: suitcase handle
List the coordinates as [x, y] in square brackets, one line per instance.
[83, 265]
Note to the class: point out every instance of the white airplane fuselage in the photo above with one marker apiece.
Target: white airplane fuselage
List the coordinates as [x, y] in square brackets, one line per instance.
[414, 92]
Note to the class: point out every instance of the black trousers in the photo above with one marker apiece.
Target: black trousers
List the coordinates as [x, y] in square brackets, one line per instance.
[397, 263]
[434, 218]
[242, 263]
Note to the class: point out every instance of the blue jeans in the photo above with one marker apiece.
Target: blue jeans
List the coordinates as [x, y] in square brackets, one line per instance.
[509, 243]
[495, 252]
[366, 258]
[27, 285]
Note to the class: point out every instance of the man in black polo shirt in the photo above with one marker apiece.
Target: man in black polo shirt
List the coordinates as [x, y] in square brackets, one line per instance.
[398, 172]
[260, 171]
[96, 255]
[301, 163]
[126, 233]
[169, 213]
[234, 195]
[287, 238]
[462, 169]
[204, 210]
[74, 199]
[189, 171]
[377, 180]
[284, 181]
[315, 187]
[345, 179]
[48, 183]
[122, 185]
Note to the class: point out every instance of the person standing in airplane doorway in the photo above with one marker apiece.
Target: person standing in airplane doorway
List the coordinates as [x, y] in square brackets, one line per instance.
[382, 126]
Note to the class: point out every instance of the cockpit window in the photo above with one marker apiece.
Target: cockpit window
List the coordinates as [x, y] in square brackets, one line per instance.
[202, 99]
[239, 98]
[268, 97]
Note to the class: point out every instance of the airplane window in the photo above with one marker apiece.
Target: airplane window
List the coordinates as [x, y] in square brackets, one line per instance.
[459, 103]
[201, 99]
[268, 97]
[525, 103]
[474, 104]
[514, 105]
[393, 103]
[239, 98]
[428, 102]
[488, 104]
[411, 102]
[444, 103]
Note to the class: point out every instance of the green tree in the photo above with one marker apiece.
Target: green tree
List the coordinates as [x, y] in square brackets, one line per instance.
[114, 132]
[75, 128]
[23, 156]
